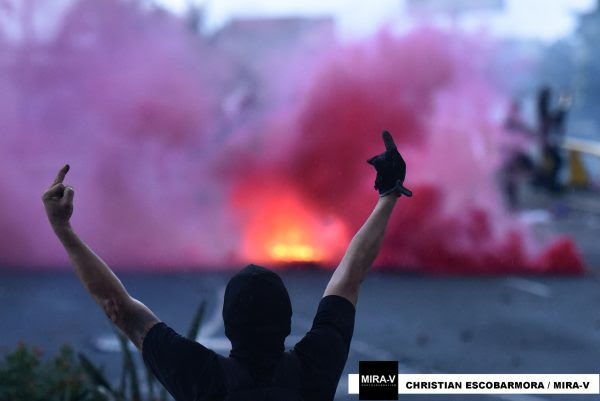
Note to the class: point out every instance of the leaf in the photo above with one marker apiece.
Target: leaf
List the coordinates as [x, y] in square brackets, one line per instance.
[192, 332]
[163, 394]
[150, 381]
[95, 374]
[129, 367]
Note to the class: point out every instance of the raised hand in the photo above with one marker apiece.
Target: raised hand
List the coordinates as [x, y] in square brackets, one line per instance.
[391, 169]
[58, 200]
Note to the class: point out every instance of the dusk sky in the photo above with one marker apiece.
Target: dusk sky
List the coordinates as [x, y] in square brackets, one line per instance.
[356, 18]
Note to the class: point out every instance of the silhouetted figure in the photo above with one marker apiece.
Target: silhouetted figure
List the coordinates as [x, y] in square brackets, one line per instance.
[552, 130]
[256, 312]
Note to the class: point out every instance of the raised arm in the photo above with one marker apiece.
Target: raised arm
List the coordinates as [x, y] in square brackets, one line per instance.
[365, 246]
[132, 317]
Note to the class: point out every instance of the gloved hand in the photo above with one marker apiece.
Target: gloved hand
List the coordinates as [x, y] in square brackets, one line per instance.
[391, 169]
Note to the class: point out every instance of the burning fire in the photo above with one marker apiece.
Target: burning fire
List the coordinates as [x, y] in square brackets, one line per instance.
[294, 248]
[280, 227]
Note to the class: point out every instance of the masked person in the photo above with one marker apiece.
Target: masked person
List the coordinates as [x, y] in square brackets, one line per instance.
[256, 313]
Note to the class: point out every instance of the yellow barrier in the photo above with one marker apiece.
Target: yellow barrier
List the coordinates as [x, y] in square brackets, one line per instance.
[579, 178]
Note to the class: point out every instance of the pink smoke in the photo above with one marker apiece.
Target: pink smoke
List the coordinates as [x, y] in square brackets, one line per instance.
[431, 90]
[164, 178]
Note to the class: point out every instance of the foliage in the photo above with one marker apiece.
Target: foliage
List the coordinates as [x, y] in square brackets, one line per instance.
[25, 376]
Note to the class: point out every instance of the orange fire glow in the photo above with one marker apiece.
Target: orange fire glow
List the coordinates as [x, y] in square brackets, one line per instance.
[281, 228]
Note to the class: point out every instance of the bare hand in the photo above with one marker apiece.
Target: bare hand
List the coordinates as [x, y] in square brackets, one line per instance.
[58, 201]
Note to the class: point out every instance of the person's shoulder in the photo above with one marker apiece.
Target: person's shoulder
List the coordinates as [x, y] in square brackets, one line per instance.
[336, 303]
[162, 339]
[153, 335]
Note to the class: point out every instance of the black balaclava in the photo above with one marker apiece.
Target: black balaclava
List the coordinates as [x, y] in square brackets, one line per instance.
[257, 313]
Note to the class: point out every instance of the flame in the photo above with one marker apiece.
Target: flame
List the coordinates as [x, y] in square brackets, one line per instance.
[293, 245]
[293, 252]
[284, 228]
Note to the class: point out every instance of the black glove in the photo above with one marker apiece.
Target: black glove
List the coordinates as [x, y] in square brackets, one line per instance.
[391, 169]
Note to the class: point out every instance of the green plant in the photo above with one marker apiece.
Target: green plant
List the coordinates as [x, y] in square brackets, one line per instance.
[25, 377]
